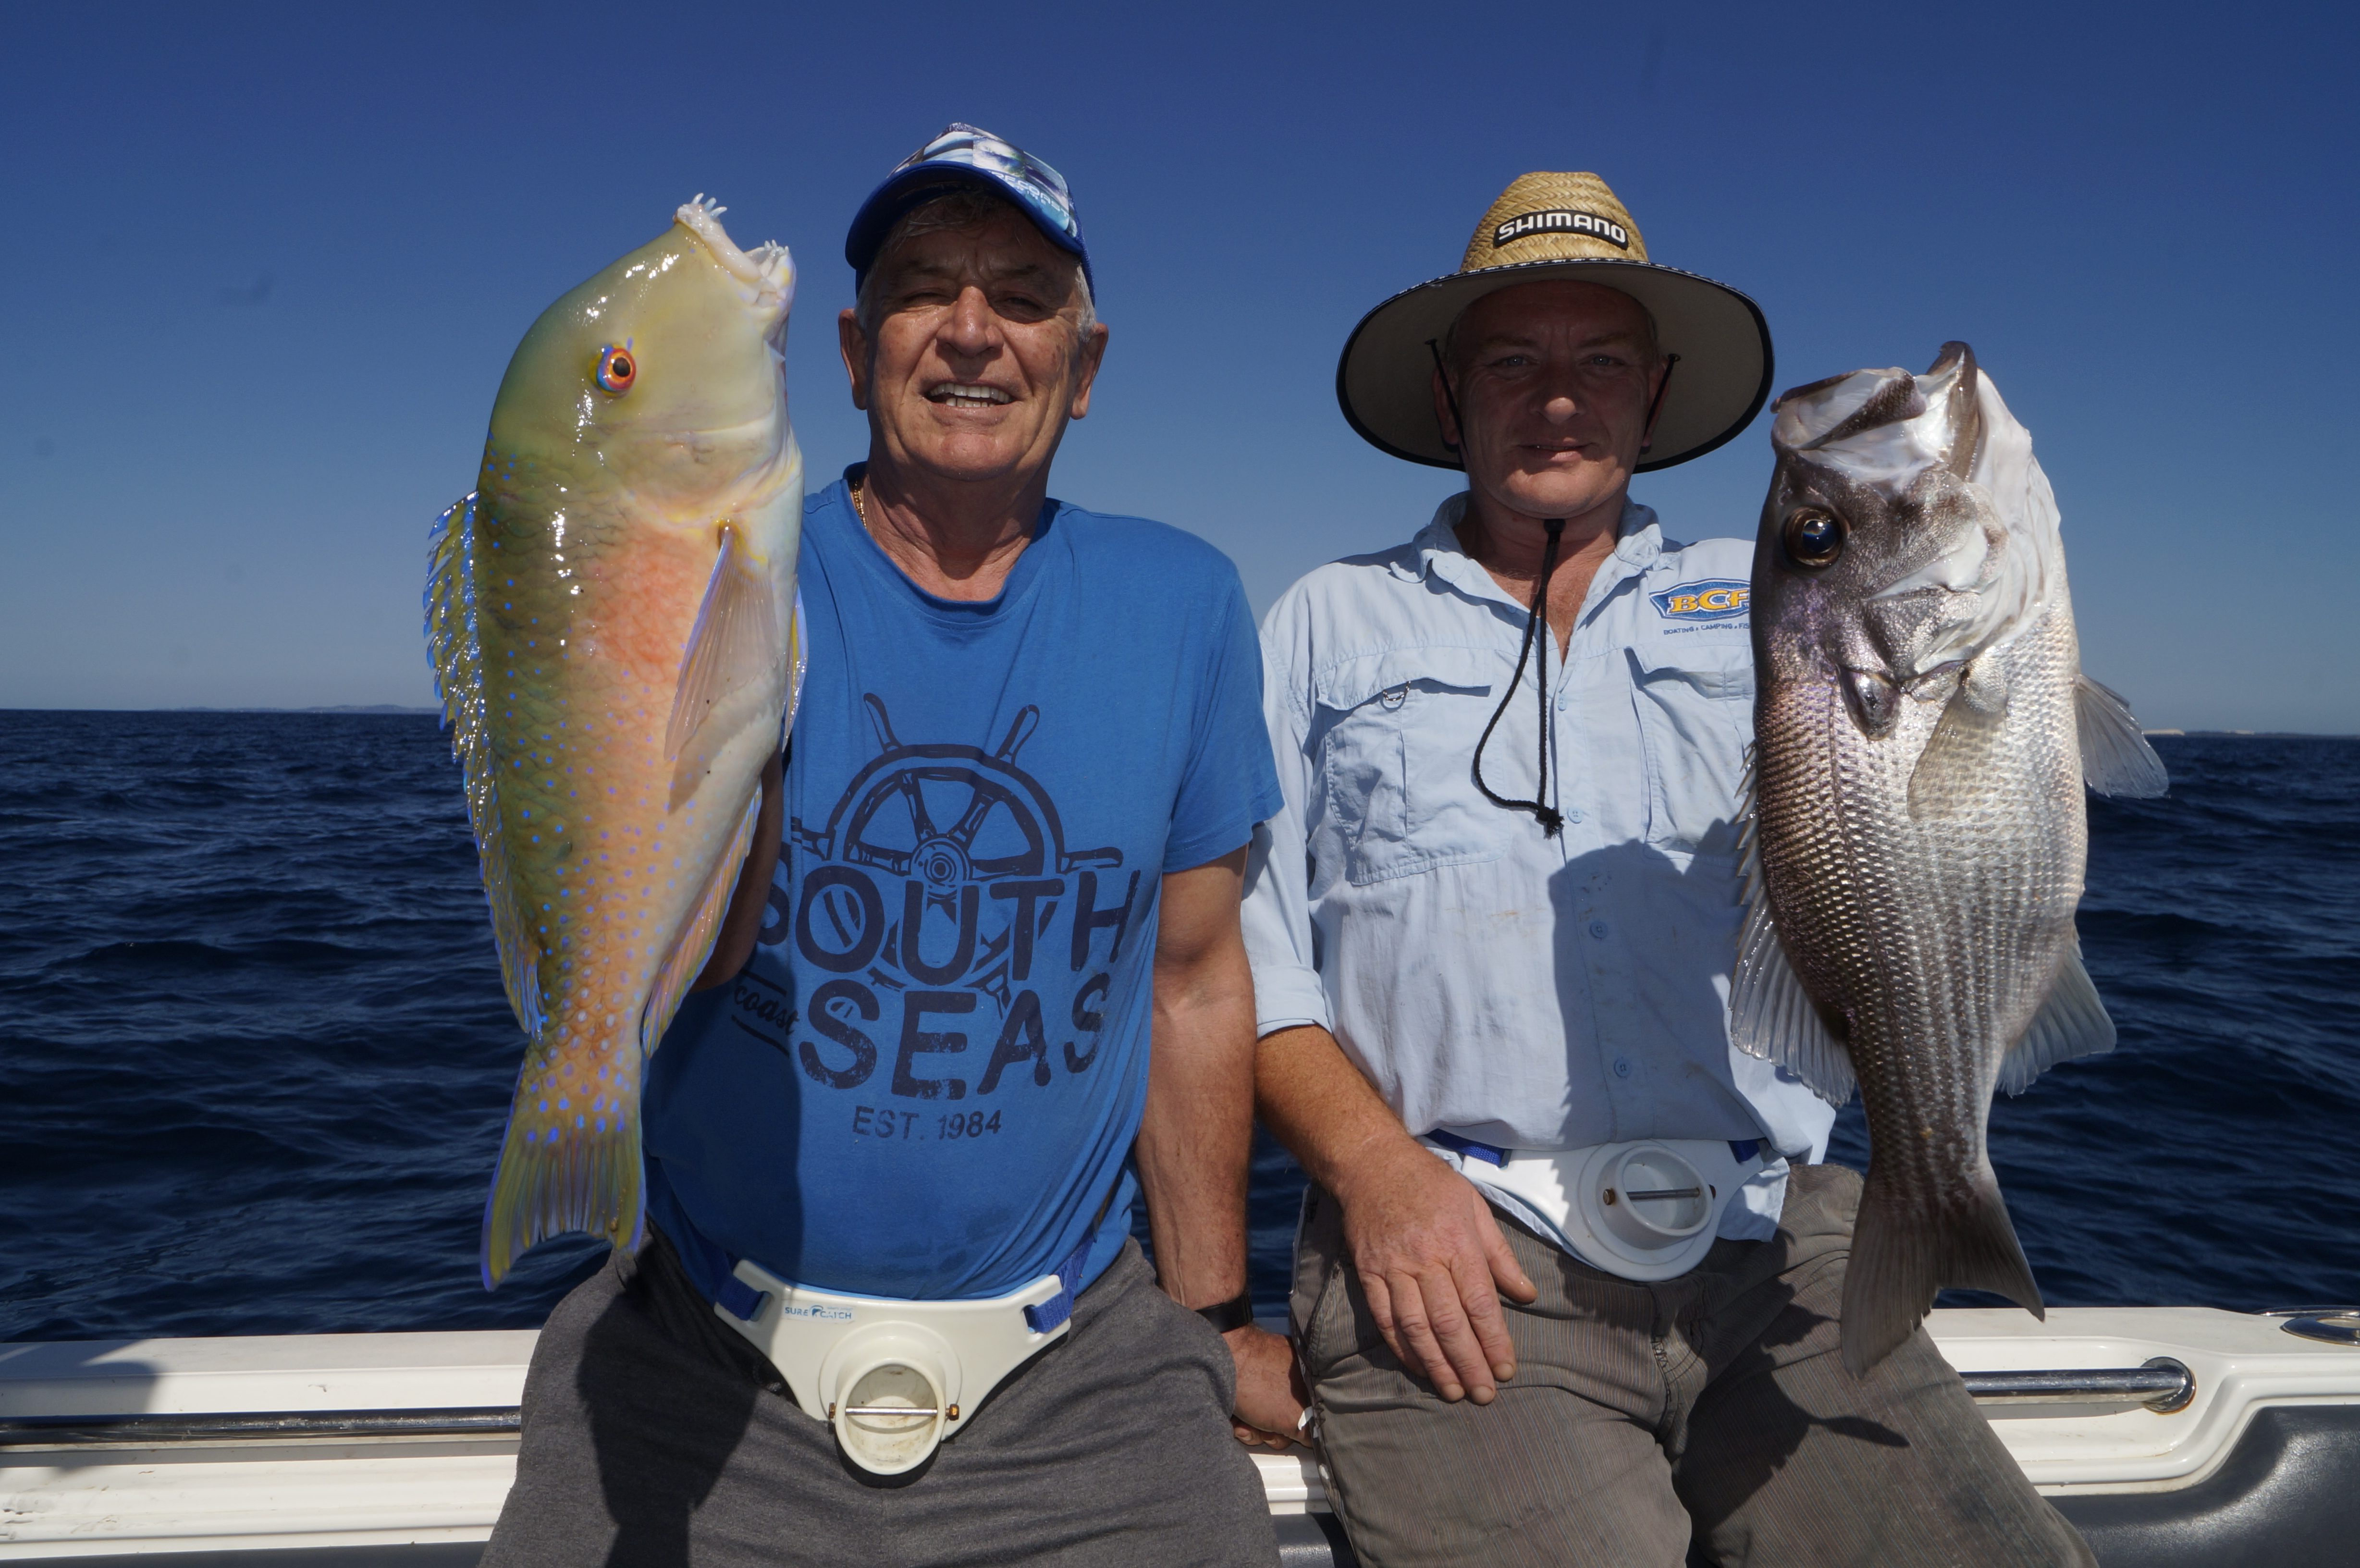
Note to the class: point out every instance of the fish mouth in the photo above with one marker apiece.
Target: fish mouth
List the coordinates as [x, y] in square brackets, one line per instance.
[968, 395]
[767, 269]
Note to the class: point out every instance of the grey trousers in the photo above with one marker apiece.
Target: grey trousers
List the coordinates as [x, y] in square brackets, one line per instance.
[1706, 1419]
[657, 1437]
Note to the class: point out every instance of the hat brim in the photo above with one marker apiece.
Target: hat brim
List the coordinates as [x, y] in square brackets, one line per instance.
[1385, 378]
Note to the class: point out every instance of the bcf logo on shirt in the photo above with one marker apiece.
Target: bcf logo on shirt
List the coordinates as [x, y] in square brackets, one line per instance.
[1711, 600]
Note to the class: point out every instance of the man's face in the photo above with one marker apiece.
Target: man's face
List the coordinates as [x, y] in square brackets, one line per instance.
[977, 360]
[1553, 380]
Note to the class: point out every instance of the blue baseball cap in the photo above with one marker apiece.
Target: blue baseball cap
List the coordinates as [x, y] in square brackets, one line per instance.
[965, 155]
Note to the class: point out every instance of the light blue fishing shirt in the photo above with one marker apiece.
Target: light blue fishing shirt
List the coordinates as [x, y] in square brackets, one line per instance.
[1523, 991]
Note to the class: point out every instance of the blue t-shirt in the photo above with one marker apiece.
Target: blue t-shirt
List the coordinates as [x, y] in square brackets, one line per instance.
[926, 1082]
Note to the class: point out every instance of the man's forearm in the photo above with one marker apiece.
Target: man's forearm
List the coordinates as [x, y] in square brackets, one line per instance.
[1317, 1104]
[1196, 1135]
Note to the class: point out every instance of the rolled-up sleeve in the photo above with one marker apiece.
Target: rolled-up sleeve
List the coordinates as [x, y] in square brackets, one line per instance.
[1289, 992]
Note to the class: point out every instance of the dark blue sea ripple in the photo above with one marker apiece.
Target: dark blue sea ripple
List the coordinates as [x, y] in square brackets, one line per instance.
[254, 1057]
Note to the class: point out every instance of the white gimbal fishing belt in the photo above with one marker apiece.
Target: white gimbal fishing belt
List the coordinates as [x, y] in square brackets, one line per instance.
[896, 1378]
[1646, 1210]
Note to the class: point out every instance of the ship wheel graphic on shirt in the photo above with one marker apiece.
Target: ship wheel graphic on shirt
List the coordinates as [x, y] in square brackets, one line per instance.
[952, 824]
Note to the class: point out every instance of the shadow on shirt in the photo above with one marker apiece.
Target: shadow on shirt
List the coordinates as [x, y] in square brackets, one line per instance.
[1645, 934]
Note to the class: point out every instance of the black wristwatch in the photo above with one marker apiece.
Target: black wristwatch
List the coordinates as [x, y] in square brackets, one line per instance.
[1235, 1312]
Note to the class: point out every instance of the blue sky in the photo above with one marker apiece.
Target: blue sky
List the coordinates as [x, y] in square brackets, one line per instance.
[266, 263]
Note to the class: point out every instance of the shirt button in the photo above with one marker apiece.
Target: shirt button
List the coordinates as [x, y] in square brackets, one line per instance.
[1597, 928]
[1621, 1067]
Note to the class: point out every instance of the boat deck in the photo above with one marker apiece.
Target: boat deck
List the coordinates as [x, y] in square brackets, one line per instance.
[397, 1450]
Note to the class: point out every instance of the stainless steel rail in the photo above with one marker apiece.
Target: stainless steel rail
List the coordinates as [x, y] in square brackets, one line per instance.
[174, 1429]
[2162, 1383]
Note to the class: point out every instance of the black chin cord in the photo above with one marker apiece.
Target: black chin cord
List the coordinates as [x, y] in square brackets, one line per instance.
[1551, 822]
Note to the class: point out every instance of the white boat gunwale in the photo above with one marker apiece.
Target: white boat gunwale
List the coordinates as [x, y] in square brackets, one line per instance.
[257, 1450]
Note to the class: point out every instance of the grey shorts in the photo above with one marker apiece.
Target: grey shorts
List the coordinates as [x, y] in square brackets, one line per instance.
[1706, 1419]
[656, 1437]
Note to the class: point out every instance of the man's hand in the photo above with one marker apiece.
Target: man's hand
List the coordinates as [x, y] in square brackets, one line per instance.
[1429, 1253]
[1270, 1395]
[1422, 1239]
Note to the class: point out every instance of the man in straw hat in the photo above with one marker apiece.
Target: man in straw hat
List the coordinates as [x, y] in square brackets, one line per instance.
[1491, 931]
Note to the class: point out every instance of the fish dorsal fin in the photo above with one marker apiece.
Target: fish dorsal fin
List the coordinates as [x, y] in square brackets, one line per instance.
[2115, 757]
[1953, 375]
[737, 640]
[455, 648]
[695, 945]
[1770, 1015]
[2072, 1022]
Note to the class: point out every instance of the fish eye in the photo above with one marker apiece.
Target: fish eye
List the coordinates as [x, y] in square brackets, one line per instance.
[617, 369]
[1814, 539]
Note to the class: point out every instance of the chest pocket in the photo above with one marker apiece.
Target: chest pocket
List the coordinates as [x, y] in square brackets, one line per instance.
[1398, 740]
[1695, 702]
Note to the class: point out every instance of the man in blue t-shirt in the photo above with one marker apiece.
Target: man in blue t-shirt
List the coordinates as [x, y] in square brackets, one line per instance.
[1008, 846]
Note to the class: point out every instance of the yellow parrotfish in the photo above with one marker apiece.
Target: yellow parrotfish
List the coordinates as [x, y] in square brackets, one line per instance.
[610, 619]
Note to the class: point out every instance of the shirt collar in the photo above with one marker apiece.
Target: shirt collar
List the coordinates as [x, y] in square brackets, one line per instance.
[1437, 551]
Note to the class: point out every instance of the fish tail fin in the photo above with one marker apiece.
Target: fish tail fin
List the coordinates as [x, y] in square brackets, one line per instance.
[573, 1169]
[1899, 1261]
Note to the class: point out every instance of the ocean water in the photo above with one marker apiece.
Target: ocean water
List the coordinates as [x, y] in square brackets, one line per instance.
[255, 1057]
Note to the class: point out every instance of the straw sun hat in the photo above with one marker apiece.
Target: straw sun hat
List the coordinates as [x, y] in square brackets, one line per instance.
[1543, 227]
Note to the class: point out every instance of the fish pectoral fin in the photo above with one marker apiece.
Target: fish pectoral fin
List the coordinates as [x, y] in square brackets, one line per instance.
[738, 643]
[2115, 757]
[2072, 1022]
[1954, 773]
[1771, 1016]
[693, 946]
[456, 649]
[798, 665]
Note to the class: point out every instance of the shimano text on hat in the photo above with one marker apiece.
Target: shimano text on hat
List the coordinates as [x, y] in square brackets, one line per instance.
[1562, 221]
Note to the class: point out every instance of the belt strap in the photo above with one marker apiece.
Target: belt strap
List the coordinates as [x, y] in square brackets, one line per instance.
[1740, 1149]
[1060, 1307]
[1466, 1147]
[713, 1271]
